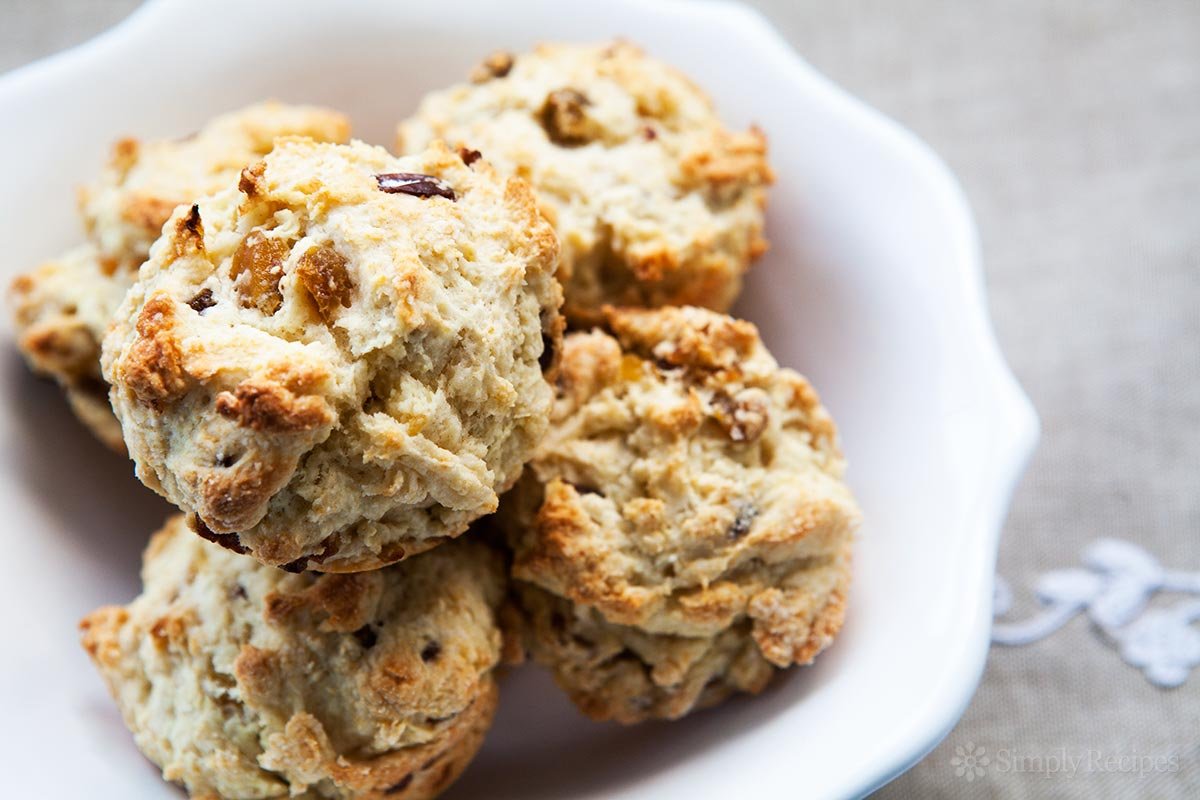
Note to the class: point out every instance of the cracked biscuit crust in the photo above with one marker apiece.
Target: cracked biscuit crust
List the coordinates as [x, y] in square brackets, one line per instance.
[654, 201]
[242, 681]
[125, 210]
[62, 308]
[684, 528]
[340, 362]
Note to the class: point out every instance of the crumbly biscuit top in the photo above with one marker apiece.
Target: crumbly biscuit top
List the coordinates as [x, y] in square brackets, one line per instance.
[62, 308]
[686, 481]
[241, 680]
[336, 363]
[655, 202]
[124, 211]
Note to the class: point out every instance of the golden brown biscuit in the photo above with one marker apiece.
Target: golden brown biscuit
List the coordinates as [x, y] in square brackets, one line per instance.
[60, 311]
[654, 200]
[340, 362]
[242, 681]
[62, 308]
[684, 528]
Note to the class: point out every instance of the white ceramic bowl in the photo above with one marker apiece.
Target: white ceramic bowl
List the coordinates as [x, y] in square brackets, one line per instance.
[872, 288]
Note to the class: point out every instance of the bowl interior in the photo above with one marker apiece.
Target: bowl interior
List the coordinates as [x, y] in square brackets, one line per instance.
[863, 290]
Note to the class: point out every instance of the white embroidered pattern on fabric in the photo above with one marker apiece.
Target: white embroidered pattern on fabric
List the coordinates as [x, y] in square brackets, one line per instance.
[1113, 590]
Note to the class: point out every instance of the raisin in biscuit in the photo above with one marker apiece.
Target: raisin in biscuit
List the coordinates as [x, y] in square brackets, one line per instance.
[654, 201]
[63, 307]
[125, 210]
[339, 362]
[242, 681]
[684, 529]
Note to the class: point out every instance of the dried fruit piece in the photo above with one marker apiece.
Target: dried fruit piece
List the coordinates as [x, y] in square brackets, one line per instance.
[297, 566]
[497, 65]
[230, 541]
[414, 183]
[549, 353]
[564, 118]
[251, 181]
[743, 519]
[552, 329]
[322, 270]
[257, 268]
[189, 231]
[400, 785]
[744, 416]
[202, 301]
[468, 155]
[631, 367]
[301, 563]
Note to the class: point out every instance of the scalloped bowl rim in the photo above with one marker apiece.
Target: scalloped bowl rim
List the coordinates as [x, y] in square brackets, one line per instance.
[1014, 419]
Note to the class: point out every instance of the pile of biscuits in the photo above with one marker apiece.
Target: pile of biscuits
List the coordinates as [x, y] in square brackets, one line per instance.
[431, 413]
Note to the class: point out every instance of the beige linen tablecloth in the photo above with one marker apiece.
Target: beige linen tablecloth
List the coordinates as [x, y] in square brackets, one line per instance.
[1075, 127]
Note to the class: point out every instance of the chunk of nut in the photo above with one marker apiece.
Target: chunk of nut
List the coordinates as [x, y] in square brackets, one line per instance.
[744, 416]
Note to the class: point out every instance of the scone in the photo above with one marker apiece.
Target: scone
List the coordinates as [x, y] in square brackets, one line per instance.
[339, 362]
[242, 681]
[62, 307]
[684, 529]
[125, 210]
[60, 311]
[654, 200]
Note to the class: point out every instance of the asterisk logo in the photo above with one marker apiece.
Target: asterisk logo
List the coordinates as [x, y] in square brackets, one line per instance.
[969, 761]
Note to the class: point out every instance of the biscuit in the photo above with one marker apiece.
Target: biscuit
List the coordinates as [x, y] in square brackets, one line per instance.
[63, 307]
[125, 210]
[340, 362]
[243, 681]
[60, 310]
[655, 202]
[683, 530]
